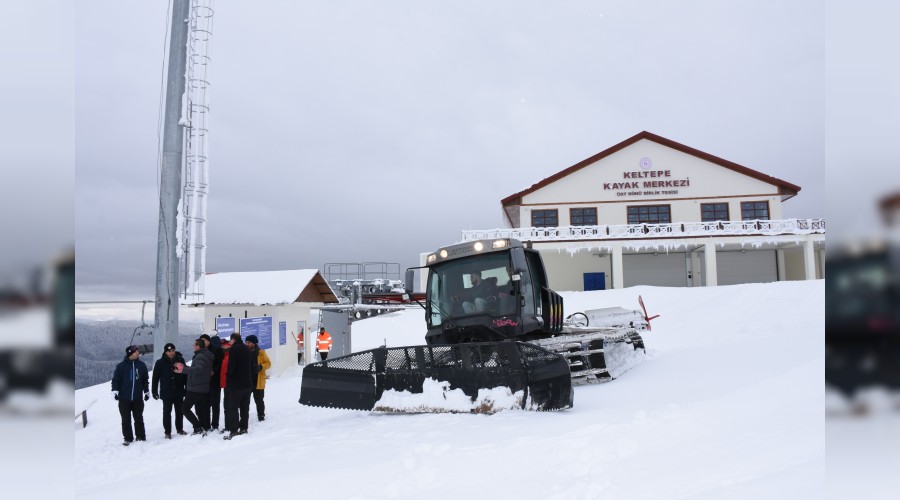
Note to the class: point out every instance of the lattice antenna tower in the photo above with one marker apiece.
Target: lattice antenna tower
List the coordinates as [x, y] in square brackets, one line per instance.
[195, 120]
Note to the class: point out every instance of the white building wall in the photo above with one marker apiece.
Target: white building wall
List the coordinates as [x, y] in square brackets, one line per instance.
[291, 314]
[567, 261]
[282, 356]
[568, 268]
[795, 265]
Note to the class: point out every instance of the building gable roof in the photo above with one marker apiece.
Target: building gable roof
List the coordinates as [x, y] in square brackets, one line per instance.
[785, 189]
[267, 287]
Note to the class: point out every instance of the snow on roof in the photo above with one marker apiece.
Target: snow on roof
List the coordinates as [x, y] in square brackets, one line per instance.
[264, 287]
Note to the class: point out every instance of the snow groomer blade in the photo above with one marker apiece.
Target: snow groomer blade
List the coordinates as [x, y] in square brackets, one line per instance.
[358, 381]
[346, 382]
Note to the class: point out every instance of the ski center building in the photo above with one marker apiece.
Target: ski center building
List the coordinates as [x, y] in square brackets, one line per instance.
[651, 211]
[273, 305]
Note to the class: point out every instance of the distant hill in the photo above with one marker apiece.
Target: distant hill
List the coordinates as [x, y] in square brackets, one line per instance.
[100, 346]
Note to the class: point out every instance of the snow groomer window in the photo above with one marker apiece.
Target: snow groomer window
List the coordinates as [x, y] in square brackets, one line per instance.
[454, 290]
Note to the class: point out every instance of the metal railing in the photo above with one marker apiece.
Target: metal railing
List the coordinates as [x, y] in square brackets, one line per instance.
[653, 231]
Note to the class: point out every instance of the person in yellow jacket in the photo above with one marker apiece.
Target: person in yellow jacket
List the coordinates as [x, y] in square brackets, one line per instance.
[323, 343]
[262, 364]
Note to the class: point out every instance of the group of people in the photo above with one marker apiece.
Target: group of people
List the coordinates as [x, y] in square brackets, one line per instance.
[194, 392]
[323, 345]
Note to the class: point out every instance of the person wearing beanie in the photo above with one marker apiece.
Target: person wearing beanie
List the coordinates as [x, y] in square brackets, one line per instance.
[128, 382]
[238, 385]
[262, 364]
[170, 386]
[215, 391]
[197, 387]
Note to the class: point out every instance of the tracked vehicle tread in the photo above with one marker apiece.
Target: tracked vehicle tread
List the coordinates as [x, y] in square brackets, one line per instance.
[596, 355]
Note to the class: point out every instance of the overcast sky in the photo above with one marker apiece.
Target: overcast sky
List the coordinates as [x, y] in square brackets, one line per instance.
[862, 141]
[359, 131]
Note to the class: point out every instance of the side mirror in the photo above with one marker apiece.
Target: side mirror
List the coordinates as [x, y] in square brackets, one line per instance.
[408, 282]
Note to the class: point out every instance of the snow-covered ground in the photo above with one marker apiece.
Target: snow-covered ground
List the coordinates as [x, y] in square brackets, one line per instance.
[863, 456]
[727, 405]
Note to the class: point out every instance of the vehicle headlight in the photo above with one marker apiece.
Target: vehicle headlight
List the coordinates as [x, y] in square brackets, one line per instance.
[478, 246]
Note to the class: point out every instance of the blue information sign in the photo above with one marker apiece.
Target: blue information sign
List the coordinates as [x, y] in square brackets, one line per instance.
[282, 333]
[261, 327]
[225, 327]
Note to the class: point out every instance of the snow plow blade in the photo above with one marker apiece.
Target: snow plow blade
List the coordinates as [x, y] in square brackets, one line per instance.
[536, 379]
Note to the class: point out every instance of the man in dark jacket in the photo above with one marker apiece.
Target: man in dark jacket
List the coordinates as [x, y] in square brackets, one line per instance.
[214, 344]
[198, 375]
[128, 382]
[238, 385]
[169, 386]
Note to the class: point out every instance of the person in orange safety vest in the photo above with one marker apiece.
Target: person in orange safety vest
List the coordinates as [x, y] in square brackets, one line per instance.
[300, 347]
[323, 343]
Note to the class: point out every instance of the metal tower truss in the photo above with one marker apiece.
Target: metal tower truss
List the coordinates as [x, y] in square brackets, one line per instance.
[195, 119]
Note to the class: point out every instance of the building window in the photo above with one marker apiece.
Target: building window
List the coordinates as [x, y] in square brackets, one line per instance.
[583, 216]
[713, 211]
[544, 218]
[650, 214]
[753, 210]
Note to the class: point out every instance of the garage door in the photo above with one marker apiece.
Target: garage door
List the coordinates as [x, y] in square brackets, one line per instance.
[758, 266]
[657, 270]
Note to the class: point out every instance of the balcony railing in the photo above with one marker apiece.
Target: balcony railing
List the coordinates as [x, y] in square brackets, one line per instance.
[654, 231]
